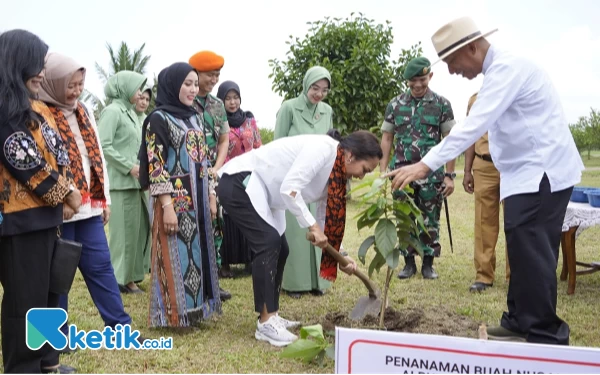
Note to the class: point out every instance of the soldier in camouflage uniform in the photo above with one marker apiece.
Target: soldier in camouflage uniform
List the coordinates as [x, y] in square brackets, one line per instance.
[414, 123]
[216, 129]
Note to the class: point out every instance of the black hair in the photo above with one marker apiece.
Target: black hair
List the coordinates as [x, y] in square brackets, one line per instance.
[22, 56]
[362, 144]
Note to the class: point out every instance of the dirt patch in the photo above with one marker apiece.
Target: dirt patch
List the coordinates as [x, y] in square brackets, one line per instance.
[411, 320]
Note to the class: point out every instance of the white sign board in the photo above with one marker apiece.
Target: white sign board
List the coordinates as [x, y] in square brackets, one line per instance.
[378, 352]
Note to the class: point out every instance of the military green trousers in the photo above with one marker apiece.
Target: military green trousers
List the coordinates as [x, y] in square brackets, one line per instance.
[129, 235]
[428, 198]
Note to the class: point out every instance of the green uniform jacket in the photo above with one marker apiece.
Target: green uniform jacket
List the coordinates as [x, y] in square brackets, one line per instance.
[295, 117]
[120, 130]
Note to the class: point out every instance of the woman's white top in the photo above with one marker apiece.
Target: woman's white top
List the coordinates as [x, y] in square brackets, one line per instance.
[300, 164]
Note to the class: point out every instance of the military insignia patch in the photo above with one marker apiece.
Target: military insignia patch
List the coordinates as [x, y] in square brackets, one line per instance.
[425, 69]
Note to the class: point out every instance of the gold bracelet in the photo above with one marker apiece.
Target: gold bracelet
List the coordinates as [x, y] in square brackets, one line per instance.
[165, 205]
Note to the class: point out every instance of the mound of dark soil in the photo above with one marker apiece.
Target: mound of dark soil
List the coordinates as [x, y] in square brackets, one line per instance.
[411, 320]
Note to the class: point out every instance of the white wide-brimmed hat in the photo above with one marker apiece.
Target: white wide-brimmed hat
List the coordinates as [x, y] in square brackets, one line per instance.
[456, 34]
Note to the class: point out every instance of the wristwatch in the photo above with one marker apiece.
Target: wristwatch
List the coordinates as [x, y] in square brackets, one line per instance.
[71, 189]
[452, 175]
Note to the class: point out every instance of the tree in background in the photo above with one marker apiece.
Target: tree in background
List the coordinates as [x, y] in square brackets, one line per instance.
[356, 52]
[586, 132]
[123, 59]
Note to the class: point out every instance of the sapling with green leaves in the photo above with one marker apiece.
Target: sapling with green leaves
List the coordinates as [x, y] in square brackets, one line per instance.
[395, 224]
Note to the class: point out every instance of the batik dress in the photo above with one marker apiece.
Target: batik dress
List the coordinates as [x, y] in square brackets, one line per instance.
[184, 289]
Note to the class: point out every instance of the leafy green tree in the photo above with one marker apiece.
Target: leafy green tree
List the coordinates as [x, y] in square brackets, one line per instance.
[586, 132]
[122, 59]
[356, 51]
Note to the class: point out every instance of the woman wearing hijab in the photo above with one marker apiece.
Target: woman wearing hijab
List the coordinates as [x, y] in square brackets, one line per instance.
[174, 166]
[306, 114]
[142, 104]
[35, 180]
[121, 137]
[287, 174]
[61, 88]
[243, 137]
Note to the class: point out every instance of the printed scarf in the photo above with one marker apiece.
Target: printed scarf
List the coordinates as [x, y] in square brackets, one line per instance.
[335, 215]
[95, 192]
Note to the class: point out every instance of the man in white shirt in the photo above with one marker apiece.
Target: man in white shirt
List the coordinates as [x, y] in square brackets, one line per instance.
[533, 149]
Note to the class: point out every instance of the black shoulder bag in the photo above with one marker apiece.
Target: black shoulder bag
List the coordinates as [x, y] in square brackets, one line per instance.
[65, 261]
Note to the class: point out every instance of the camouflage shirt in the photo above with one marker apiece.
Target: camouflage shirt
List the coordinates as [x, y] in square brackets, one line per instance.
[417, 125]
[214, 121]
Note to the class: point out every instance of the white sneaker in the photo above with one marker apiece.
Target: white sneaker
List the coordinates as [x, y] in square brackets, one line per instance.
[288, 323]
[274, 332]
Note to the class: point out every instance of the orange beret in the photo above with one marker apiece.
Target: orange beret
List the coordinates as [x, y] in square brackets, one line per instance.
[206, 61]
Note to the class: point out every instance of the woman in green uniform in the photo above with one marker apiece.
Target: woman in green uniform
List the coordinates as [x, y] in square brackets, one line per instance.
[120, 137]
[305, 114]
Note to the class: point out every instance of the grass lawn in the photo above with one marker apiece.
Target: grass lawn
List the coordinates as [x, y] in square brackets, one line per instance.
[593, 160]
[227, 344]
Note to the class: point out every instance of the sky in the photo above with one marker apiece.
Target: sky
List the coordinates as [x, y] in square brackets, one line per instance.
[562, 36]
